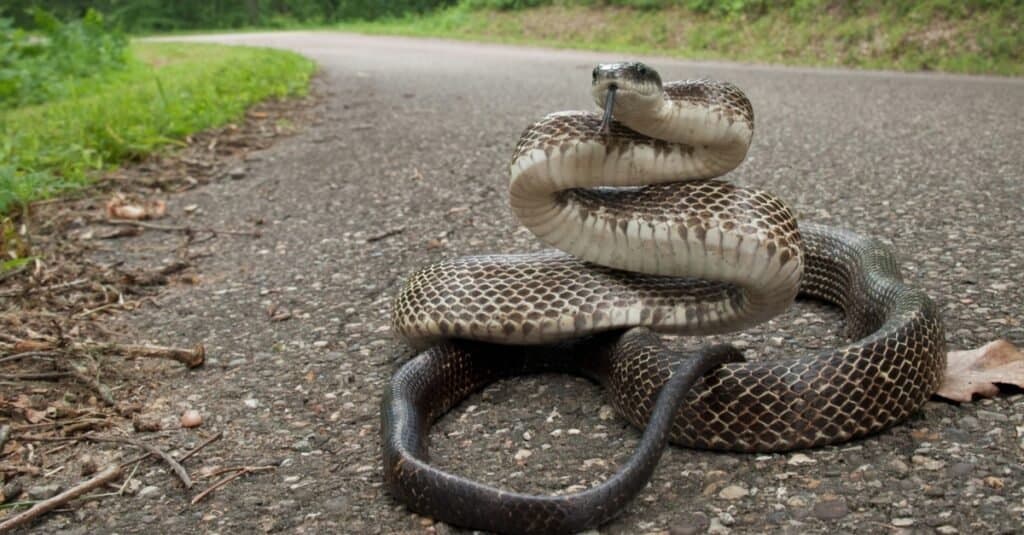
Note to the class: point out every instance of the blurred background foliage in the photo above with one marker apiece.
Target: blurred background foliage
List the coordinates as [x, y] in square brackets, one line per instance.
[178, 15]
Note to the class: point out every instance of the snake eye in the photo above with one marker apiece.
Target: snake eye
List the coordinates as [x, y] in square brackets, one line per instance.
[642, 69]
[594, 74]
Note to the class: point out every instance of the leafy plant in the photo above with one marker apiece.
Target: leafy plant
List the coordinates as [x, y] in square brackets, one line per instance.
[56, 58]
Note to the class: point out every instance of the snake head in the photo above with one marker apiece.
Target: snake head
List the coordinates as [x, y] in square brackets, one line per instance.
[624, 88]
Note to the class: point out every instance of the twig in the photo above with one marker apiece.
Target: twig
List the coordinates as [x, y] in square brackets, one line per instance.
[79, 373]
[182, 228]
[47, 505]
[241, 472]
[153, 450]
[150, 451]
[207, 442]
[183, 458]
[37, 289]
[28, 354]
[385, 235]
[101, 308]
[45, 376]
[189, 357]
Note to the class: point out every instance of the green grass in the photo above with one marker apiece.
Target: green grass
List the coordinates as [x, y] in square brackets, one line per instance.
[166, 92]
[937, 35]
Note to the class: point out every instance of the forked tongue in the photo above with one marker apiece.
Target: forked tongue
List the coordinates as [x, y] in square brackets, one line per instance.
[609, 105]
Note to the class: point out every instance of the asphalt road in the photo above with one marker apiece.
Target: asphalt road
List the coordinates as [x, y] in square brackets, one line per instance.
[413, 137]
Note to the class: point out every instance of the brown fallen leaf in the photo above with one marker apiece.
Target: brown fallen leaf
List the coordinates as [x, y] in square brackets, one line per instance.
[120, 207]
[977, 371]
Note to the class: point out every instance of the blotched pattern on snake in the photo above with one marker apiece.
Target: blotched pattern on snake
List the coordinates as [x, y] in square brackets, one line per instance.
[648, 240]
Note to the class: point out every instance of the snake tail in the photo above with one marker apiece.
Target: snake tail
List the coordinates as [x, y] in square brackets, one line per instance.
[410, 409]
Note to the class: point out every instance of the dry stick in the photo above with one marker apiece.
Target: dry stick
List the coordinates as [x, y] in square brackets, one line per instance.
[28, 354]
[189, 357]
[52, 287]
[385, 235]
[153, 450]
[182, 228]
[44, 376]
[241, 472]
[183, 458]
[47, 505]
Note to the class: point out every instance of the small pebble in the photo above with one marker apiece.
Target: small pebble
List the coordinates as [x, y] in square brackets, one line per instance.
[733, 492]
[150, 491]
[798, 459]
[717, 527]
[42, 492]
[899, 466]
[927, 463]
[191, 418]
[903, 522]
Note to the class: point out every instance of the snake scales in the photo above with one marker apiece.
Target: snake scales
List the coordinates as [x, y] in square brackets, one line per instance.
[685, 254]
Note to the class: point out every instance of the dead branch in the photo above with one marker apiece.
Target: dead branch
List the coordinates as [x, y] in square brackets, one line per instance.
[183, 458]
[50, 288]
[241, 472]
[386, 234]
[101, 479]
[44, 376]
[182, 228]
[189, 357]
[152, 450]
[27, 354]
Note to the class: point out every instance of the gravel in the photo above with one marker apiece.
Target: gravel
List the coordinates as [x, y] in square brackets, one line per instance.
[415, 135]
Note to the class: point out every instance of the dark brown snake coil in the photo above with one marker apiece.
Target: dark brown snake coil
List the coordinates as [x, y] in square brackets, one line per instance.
[691, 257]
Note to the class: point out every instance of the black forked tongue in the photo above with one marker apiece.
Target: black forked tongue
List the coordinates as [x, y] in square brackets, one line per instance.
[609, 105]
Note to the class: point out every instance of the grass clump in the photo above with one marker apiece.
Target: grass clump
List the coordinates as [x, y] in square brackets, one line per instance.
[163, 93]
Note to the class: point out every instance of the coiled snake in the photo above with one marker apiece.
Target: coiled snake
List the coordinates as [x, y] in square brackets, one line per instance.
[684, 254]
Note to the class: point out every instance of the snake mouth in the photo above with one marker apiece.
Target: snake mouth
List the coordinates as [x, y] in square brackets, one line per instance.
[609, 105]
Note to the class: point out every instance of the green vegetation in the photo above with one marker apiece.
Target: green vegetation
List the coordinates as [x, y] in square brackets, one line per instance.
[970, 36]
[57, 59]
[138, 16]
[83, 121]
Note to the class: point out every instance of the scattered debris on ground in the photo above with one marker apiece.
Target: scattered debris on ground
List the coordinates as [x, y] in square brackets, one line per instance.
[74, 387]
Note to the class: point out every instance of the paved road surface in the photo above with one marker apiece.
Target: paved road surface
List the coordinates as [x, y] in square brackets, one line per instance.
[414, 135]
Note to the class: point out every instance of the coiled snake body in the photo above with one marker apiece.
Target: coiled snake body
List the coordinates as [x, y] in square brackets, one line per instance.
[684, 254]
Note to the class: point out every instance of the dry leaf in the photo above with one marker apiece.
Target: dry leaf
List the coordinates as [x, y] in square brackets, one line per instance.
[977, 371]
[120, 207]
[33, 416]
[24, 346]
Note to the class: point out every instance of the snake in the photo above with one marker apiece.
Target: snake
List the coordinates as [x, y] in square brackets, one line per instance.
[648, 238]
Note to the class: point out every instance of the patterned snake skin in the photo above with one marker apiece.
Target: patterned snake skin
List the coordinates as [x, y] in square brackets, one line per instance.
[692, 257]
